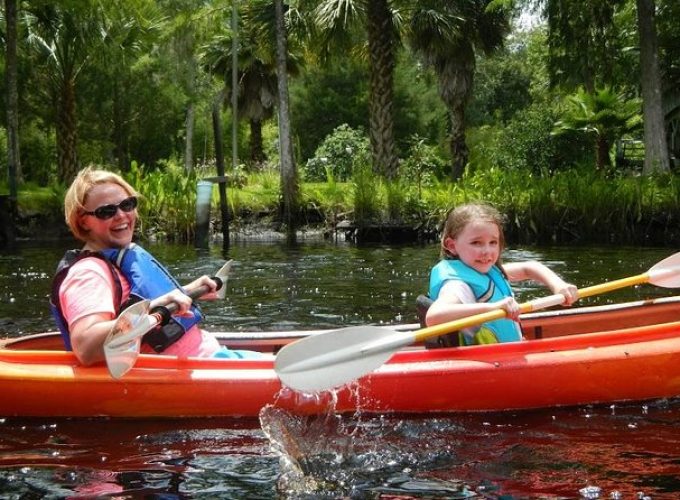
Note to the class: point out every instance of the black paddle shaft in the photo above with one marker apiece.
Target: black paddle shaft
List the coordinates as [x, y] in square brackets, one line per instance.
[164, 313]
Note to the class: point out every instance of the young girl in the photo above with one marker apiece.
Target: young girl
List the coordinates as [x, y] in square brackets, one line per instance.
[470, 278]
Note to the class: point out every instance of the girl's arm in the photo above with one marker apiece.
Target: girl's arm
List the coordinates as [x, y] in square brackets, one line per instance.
[534, 270]
[456, 301]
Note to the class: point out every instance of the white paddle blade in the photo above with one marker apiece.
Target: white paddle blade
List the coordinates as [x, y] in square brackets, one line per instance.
[223, 274]
[122, 357]
[123, 342]
[666, 273]
[328, 360]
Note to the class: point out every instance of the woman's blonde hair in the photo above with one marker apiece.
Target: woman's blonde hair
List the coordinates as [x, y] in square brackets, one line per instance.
[459, 217]
[76, 195]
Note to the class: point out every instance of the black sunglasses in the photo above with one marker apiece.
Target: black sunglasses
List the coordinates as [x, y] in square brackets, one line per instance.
[107, 211]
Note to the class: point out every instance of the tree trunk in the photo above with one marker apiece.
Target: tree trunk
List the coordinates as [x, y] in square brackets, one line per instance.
[257, 155]
[457, 145]
[219, 163]
[189, 140]
[602, 160]
[656, 146]
[289, 178]
[455, 87]
[13, 147]
[67, 134]
[120, 131]
[381, 115]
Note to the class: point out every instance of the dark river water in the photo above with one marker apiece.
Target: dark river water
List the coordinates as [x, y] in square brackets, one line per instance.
[623, 451]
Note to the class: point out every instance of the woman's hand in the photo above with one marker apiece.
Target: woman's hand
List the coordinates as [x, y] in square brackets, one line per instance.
[178, 297]
[203, 281]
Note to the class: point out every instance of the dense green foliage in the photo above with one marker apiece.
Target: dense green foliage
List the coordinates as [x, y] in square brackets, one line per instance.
[132, 86]
[571, 206]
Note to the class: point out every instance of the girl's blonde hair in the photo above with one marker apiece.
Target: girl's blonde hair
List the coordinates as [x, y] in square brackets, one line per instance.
[76, 195]
[459, 217]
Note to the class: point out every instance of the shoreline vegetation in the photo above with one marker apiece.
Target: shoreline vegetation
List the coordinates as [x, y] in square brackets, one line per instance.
[576, 206]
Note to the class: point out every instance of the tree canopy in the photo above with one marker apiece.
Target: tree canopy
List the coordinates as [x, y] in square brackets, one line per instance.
[135, 81]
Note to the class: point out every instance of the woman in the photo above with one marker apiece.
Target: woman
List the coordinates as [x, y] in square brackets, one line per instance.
[94, 284]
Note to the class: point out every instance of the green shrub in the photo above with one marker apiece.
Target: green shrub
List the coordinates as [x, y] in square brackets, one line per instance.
[422, 164]
[526, 143]
[168, 207]
[38, 154]
[336, 154]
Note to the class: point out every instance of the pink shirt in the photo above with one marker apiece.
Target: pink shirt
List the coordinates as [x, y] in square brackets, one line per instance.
[89, 289]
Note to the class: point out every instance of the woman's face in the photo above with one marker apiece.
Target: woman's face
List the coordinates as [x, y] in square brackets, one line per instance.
[114, 232]
[477, 245]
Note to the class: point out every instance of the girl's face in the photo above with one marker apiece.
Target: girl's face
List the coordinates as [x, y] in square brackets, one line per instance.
[114, 232]
[477, 245]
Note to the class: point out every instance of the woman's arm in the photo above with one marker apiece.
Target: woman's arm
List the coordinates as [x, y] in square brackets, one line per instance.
[89, 333]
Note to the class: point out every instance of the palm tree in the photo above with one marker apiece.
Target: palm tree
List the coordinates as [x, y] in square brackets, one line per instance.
[604, 114]
[340, 19]
[257, 75]
[447, 36]
[656, 147]
[289, 178]
[63, 40]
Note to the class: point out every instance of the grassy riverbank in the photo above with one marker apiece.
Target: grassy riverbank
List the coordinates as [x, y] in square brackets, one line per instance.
[574, 206]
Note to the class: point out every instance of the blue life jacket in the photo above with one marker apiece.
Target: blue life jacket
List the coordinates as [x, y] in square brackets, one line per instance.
[148, 280]
[489, 287]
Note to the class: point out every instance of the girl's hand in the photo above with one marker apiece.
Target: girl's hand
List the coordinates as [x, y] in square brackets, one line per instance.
[570, 293]
[510, 306]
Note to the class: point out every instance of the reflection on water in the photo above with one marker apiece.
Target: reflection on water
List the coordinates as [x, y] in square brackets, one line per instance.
[621, 450]
[560, 453]
[565, 453]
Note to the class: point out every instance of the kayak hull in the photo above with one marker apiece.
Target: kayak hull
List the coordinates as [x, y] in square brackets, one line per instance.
[634, 363]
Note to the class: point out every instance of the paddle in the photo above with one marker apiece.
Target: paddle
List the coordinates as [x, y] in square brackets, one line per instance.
[121, 347]
[331, 359]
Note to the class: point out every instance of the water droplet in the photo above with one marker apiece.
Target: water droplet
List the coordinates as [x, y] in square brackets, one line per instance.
[590, 492]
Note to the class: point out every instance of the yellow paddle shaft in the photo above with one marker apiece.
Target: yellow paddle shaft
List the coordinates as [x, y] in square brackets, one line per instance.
[533, 305]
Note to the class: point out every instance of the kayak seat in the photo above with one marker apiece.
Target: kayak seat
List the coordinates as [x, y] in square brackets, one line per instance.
[423, 303]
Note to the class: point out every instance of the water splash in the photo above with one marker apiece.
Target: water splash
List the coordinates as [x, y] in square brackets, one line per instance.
[340, 455]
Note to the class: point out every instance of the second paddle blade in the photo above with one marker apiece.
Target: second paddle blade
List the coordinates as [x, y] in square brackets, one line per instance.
[329, 360]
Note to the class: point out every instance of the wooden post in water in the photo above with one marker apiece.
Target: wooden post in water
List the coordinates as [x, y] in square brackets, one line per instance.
[202, 230]
[221, 179]
[7, 231]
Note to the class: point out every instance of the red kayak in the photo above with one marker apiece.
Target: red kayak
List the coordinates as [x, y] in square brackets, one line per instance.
[587, 355]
